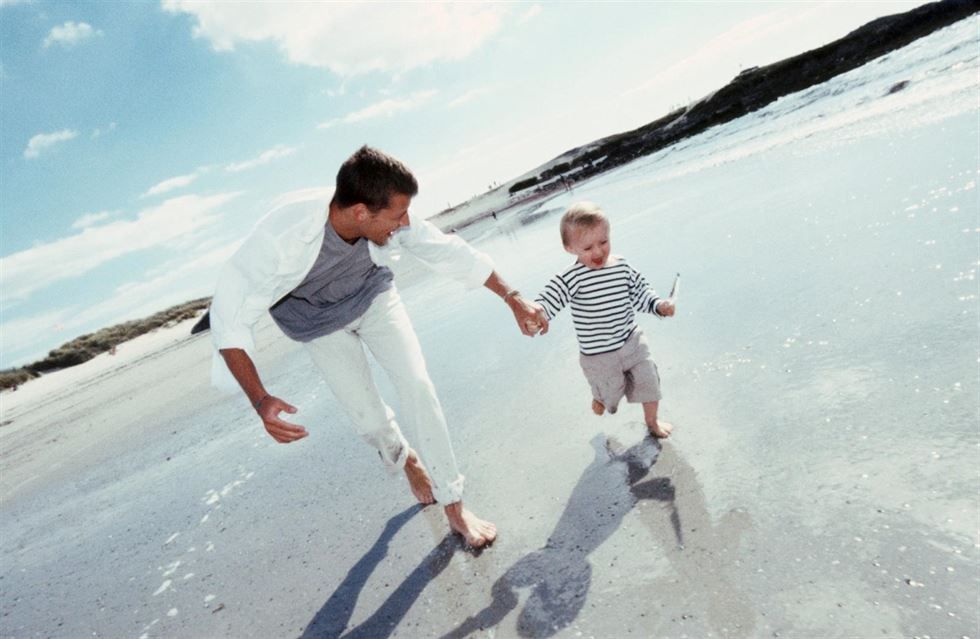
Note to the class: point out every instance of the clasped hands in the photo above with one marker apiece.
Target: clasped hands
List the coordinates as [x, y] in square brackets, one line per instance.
[530, 316]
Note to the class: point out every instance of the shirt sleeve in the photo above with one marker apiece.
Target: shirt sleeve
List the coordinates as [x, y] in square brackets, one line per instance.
[244, 292]
[554, 297]
[642, 296]
[447, 254]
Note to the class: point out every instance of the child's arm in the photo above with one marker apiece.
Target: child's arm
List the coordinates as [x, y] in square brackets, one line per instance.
[554, 297]
[645, 299]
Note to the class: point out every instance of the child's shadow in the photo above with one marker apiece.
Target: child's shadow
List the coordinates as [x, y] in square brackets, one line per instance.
[559, 575]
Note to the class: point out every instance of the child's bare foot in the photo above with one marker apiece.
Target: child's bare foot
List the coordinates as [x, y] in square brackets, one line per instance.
[660, 429]
[475, 531]
[598, 407]
[418, 479]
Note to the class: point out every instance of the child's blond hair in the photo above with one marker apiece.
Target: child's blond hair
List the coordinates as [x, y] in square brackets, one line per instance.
[581, 215]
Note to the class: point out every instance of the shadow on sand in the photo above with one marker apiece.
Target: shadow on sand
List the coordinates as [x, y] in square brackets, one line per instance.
[559, 575]
[332, 619]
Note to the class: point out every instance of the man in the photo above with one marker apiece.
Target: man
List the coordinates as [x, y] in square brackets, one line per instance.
[321, 275]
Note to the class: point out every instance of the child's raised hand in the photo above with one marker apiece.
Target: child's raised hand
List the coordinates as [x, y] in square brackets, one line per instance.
[532, 327]
[665, 308]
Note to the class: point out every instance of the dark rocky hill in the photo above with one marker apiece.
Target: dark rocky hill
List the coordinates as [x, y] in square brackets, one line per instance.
[751, 90]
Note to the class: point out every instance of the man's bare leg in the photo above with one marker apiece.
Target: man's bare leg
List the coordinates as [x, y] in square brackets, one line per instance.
[657, 428]
[418, 479]
[475, 531]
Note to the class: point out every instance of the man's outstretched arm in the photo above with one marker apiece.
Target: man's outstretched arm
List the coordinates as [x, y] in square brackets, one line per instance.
[267, 406]
[529, 315]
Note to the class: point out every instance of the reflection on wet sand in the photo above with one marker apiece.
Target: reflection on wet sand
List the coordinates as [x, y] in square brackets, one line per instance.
[702, 554]
[559, 575]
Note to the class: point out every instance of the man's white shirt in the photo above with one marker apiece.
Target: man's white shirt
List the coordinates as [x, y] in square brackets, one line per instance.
[281, 250]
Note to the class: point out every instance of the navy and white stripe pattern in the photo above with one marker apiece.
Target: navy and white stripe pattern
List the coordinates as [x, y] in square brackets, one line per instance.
[604, 302]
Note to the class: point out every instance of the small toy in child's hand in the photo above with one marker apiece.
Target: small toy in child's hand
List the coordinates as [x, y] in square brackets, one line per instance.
[675, 289]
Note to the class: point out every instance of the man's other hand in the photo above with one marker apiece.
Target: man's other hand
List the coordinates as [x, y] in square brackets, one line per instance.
[282, 431]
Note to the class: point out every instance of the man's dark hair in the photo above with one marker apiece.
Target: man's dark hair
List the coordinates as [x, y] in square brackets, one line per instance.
[371, 177]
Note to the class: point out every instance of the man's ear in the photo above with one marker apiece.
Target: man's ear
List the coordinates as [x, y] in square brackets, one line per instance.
[360, 211]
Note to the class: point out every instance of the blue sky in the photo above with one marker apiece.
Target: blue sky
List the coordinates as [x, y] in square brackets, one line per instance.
[140, 140]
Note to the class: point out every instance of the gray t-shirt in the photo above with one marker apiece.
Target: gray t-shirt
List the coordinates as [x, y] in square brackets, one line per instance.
[338, 289]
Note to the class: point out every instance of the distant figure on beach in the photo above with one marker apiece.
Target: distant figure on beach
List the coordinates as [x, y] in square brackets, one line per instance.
[605, 292]
[320, 270]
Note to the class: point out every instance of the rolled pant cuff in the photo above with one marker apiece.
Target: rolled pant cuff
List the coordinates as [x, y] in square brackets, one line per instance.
[396, 458]
[449, 492]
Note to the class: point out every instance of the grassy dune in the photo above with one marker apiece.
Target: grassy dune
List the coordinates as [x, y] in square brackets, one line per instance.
[83, 348]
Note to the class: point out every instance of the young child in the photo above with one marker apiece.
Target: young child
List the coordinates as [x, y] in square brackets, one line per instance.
[605, 292]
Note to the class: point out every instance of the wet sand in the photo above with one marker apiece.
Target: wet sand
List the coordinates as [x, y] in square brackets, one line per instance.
[150, 505]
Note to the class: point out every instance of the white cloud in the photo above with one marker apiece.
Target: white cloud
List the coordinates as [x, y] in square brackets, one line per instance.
[70, 33]
[100, 132]
[44, 141]
[385, 108]
[323, 193]
[176, 282]
[169, 223]
[468, 96]
[752, 41]
[532, 12]
[170, 184]
[91, 219]
[275, 153]
[349, 38]
[25, 334]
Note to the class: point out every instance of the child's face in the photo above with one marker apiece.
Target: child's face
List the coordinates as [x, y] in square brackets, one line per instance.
[590, 245]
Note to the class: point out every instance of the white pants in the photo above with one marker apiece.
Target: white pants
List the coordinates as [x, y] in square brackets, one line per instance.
[387, 332]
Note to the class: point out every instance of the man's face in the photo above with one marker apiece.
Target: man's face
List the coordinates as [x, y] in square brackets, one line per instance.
[379, 226]
[590, 245]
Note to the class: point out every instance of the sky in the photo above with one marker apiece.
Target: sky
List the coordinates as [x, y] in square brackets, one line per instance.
[139, 141]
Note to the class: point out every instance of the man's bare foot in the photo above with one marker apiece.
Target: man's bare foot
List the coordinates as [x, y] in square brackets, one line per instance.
[598, 407]
[660, 429]
[475, 531]
[418, 479]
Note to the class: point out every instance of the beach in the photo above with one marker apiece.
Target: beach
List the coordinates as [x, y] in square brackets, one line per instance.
[821, 375]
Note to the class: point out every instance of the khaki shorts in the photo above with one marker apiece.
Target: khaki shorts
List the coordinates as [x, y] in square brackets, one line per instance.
[628, 371]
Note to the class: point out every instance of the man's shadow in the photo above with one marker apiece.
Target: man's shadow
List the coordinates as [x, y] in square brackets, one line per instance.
[333, 618]
[559, 574]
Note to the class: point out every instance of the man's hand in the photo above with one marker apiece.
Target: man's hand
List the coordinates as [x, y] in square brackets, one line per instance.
[665, 308]
[530, 316]
[282, 431]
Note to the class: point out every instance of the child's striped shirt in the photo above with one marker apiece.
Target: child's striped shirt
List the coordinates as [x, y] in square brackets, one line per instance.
[604, 302]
